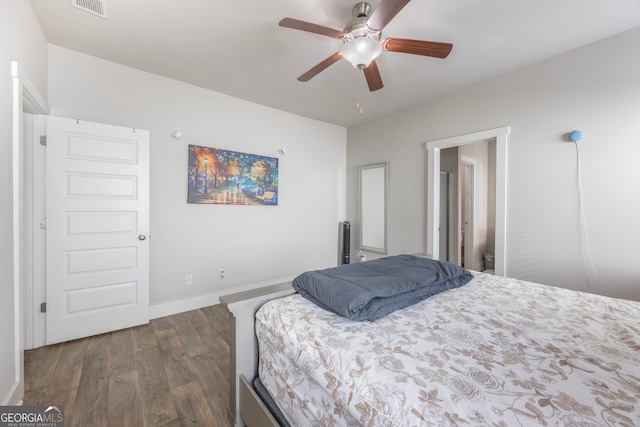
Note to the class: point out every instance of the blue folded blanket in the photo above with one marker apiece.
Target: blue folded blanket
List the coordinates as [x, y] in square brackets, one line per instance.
[371, 290]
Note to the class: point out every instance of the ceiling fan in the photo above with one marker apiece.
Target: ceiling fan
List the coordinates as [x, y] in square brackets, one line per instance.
[362, 44]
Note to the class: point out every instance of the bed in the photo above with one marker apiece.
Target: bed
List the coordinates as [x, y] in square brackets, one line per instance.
[493, 352]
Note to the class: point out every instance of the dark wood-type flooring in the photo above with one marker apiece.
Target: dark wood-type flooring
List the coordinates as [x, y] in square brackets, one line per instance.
[172, 372]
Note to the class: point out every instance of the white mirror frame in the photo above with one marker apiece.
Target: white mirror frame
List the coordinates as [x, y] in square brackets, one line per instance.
[501, 136]
[373, 194]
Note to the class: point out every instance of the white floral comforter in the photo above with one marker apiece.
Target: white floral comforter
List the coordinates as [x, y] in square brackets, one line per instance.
[496, 352]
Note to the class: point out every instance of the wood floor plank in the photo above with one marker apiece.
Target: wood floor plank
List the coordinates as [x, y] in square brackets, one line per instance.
[213, 339]
[192, 343]
[93, 394]
[122, 352]
[70, 365]
[219, 317]
[175, 361]
[150, 368]
[179, 372]
[98, 352]
[66, 399]
[192, 407]
[161, 323]
[41, 366]
[169, 343]
[144, 337]
[213, 383]
[218, 348]
[124, 399]
[197, 317]
[179, 318]
[158, 408]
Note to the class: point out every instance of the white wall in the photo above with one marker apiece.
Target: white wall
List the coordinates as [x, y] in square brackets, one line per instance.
[21, 40]
[595, 89]
[255, 244]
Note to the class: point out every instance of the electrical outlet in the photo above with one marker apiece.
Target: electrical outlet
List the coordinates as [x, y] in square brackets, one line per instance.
[222, 273]
[188, 279]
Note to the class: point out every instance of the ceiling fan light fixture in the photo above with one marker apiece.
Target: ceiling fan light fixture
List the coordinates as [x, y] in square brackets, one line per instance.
[361, 51]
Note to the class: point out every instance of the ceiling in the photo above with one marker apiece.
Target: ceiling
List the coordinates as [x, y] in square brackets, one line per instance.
[237, 48]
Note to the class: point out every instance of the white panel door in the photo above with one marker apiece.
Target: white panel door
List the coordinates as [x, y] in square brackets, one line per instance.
[97, 208]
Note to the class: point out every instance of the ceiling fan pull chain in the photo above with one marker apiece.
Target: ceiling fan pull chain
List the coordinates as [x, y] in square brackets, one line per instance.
[359, 91]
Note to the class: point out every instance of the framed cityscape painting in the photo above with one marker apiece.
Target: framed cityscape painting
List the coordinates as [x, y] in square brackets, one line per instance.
[223, 177]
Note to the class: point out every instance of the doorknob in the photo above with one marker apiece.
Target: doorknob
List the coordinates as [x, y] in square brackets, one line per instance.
[142, 237]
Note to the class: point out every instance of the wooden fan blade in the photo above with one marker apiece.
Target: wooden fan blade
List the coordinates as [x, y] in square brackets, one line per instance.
[372, 74]
[297, 24]
[384, 13]
[320, 67]
[418, 47]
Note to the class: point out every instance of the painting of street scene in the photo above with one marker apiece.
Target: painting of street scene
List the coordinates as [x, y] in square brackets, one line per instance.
[224, 177]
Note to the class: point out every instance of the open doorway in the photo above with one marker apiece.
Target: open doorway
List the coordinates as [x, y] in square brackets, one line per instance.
[467, 199]
[495, 213]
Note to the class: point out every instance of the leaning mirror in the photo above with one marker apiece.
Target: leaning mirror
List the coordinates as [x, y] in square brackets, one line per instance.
[373, 208]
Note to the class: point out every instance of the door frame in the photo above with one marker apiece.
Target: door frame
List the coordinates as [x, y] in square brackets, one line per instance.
[501, 136]
[470, 204]
[443, 223]
[35, 190]
[26, 98]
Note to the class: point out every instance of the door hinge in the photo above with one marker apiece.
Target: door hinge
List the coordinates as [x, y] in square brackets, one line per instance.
[43, 140]
[43, 224]
[43, 307]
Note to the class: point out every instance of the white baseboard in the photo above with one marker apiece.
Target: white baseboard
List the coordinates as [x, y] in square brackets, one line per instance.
[14, 396]
[193, 303]
[180, 306]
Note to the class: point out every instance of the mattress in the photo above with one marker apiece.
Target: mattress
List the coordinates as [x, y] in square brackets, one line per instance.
[269, 402]
[496, 351]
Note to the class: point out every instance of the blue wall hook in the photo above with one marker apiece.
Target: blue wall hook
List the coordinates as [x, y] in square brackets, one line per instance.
[575, 136]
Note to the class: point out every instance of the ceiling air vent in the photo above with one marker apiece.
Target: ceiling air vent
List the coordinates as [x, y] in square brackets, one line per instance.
[97, 7]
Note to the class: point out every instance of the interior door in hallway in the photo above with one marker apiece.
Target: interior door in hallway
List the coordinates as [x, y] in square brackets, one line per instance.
[97, 248]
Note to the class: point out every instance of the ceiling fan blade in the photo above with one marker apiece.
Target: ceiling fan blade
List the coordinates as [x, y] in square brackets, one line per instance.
[384, 13]
[320, 67]
[418, 47]
[297, 24]
[372, 74]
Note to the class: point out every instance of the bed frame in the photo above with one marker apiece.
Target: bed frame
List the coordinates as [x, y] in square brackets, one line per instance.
[245, 407]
